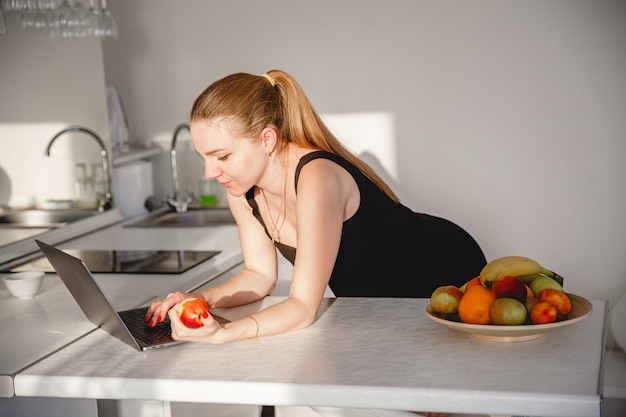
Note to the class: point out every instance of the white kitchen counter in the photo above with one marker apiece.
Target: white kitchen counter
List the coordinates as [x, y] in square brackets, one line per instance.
[33, 328]
[10, 235]
[18, 243]
[375, 353]
[614, 402]
[615, 376]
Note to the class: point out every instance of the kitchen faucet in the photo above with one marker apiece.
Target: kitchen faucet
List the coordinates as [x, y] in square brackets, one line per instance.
[105, 201]
[180, 206]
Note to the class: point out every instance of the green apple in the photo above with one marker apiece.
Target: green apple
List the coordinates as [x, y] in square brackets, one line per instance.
[446, 299]
[507, 311]
[543, 282]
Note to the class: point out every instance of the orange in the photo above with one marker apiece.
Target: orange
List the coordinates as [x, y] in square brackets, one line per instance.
[475, 304]
[469, 284]
[529, 292]
[473, 282]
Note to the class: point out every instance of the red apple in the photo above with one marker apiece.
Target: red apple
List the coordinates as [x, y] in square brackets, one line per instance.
[543, 313]
[510, 287]
[445, 299]
[557, 298]
[191, 311]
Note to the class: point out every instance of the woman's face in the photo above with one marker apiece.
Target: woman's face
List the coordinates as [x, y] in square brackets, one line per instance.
[236, 163]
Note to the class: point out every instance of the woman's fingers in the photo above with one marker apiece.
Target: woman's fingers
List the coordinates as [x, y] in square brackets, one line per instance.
[158, 309]
[150, 312]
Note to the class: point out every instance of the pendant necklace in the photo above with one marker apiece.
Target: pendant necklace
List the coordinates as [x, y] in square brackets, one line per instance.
[275, 226]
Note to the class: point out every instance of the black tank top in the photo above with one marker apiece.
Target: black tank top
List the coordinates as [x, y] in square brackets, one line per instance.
[386, 249]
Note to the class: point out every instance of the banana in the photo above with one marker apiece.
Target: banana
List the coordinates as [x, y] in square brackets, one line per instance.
[519, 266]
[527, 279]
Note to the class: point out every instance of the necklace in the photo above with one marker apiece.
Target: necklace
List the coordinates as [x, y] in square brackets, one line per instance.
[283, 204]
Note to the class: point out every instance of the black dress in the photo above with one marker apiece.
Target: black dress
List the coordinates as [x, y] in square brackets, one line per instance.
[387, 250]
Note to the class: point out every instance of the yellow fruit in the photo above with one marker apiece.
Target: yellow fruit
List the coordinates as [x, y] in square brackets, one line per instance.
[516, 266]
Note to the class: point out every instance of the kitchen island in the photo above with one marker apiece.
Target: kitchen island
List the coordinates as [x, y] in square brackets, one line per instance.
[34, 328]
[361, 352]
[371, 353]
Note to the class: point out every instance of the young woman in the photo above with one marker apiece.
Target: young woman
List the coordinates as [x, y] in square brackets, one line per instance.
[292, 186]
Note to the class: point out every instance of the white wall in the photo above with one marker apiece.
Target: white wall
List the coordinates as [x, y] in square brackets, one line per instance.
[46, 85]
[509, 116]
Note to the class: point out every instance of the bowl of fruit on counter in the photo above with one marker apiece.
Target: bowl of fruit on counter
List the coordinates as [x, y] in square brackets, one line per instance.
[513, 299]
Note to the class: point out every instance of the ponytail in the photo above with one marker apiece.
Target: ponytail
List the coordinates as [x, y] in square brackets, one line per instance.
[276, 99]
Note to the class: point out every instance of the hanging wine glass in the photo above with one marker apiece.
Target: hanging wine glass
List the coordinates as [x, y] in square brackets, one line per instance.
[67, 19]
[6, 6]
[97, 30]
[28, 14]
[83, 20]
[9, 6]
[3, 25]
[62, 20]
[45, 15]
[108, 23]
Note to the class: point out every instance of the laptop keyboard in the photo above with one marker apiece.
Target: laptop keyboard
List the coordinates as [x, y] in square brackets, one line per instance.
[160, 333]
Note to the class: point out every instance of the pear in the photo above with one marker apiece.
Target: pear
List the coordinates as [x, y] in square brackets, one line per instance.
[543, 282]
[507, 311]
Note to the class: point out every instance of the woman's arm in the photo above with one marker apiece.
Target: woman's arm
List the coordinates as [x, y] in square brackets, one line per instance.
[255, 281]
[258, 278]
[327, 195]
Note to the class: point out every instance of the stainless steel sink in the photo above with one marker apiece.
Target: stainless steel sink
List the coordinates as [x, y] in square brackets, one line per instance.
[191, 218]
[43, 218]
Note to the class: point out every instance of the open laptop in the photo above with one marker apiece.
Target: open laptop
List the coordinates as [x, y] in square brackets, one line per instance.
[128, 326]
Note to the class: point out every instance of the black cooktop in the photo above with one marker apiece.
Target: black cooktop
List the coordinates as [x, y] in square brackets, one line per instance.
[128, 261]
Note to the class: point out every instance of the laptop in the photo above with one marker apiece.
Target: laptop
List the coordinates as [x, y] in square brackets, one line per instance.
[128, 325]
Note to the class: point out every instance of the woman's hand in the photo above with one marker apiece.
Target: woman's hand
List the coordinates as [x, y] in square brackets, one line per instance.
[206, 333]
[158, 309]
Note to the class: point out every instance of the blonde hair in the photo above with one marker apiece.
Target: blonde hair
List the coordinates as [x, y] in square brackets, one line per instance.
[255, 102]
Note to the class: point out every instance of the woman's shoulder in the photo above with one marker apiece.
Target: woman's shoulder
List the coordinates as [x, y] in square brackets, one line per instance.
[322, 161]
[316, 155]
